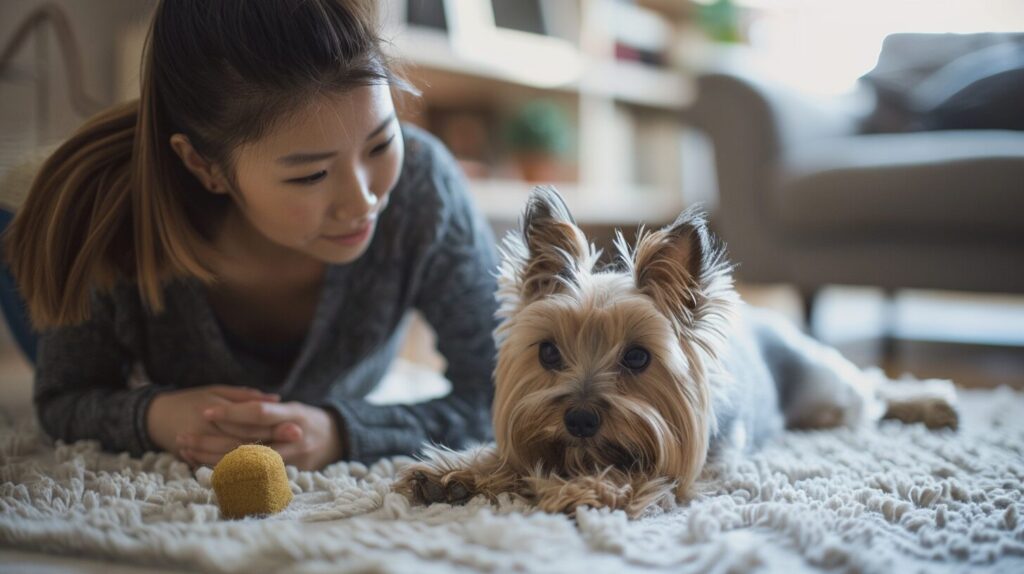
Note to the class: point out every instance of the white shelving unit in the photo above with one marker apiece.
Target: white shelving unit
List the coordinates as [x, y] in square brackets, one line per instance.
[621, 108]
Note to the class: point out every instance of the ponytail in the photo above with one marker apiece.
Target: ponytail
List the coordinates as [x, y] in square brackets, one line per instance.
[109, 205]
[73, 230]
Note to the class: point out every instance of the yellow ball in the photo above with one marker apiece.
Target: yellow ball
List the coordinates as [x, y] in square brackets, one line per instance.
[251, 481]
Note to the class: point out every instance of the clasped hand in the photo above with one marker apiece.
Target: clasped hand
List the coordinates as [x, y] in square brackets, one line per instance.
[201, 425]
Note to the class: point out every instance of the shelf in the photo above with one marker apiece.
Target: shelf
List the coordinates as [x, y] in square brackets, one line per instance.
[675, 9]
[446, 88]
[432, 49]
[627, 82]
[638, 84]
[504, 201]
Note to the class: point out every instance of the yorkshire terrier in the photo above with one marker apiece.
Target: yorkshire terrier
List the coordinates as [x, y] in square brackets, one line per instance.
[612, 386]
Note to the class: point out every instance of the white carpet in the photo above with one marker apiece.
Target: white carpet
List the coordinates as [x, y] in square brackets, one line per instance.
[896, 499]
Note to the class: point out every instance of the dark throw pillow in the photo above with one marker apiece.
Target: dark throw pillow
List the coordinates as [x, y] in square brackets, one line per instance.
[947, 81]
[982, 90]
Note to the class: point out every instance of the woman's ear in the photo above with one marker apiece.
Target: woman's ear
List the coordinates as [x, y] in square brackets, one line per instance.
[207, 173]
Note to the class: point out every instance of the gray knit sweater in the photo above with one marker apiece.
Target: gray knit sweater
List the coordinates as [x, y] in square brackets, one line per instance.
[432, 251]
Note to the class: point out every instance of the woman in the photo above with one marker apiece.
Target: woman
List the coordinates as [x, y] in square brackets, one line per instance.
[251, 233]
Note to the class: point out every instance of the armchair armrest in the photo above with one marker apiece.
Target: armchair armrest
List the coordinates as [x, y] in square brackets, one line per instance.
[756, 126]
[744, 112]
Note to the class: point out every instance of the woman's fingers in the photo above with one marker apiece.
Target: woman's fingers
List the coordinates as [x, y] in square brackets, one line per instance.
[239, 394]
[281, 432]
[245, 432]
[288, 432]
[208, 444]
[257, 413]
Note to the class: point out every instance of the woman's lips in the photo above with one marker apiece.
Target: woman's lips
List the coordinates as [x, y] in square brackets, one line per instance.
[354, 238]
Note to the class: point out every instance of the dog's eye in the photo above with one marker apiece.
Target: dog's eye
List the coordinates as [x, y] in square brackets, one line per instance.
[549, 356]
[636, 359]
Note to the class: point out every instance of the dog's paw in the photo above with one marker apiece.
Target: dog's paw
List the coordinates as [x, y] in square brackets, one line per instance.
[931, 402]
[424, 485]
[634, 494]
[934, 412]
[563, 496]
[825, 416]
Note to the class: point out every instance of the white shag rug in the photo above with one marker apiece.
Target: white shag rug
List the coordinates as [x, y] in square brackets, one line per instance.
[892, 499]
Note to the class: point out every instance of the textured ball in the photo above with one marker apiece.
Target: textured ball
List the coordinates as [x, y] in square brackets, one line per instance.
[251, 481]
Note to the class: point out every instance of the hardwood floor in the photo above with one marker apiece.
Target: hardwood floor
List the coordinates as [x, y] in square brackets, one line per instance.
[974, 340]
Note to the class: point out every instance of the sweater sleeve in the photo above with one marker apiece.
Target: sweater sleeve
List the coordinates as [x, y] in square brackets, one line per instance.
[81, 386]
[456, 293]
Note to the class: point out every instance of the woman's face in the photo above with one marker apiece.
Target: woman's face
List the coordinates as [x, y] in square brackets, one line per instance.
[319, 181]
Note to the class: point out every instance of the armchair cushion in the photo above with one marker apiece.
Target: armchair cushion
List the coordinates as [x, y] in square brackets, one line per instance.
[936, 184]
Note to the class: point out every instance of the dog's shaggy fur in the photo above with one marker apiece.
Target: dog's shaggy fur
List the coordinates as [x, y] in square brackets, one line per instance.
[612, 385]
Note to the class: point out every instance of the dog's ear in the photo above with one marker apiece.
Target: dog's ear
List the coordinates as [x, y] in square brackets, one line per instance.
[682, 267]
[557, 252]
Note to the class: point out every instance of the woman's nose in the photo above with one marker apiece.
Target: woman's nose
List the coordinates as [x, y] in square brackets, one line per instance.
[354, 199]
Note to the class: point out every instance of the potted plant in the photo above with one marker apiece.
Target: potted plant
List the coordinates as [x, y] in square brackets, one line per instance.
[537, 137]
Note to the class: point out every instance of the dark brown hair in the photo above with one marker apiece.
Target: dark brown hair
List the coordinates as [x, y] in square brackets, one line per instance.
[115, 203]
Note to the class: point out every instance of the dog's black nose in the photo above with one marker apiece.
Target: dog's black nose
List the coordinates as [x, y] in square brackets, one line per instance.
[582, 423]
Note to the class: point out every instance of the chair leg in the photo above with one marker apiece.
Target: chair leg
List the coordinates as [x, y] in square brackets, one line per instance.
[889, 345]
[809, 296]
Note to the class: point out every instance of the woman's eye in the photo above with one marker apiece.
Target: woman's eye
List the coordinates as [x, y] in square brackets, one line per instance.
[636, 359]
[309, 178]
[550, 357]
[380, 148]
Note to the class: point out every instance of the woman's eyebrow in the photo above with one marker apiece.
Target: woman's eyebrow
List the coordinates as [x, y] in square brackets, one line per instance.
[381, 127]
[310, 157]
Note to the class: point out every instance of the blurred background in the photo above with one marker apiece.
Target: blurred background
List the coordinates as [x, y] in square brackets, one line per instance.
[863, 159]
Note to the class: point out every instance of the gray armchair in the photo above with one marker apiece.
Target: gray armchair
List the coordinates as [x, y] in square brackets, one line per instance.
[806, 198]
